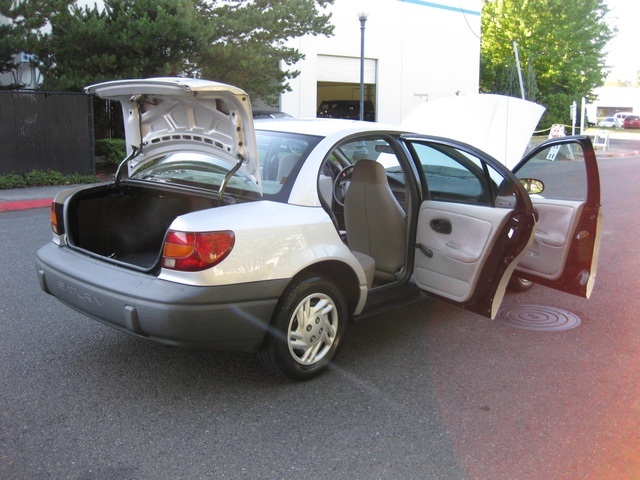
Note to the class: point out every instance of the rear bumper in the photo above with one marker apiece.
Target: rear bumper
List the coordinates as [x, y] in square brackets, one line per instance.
[231, 317]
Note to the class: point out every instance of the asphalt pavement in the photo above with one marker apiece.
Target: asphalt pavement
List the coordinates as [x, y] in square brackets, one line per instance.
[622, 144]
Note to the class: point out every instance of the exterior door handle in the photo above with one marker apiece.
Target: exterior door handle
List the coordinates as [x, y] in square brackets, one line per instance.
[441, 225]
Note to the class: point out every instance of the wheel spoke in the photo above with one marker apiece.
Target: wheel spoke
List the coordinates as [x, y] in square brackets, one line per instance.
[322, 307]
[310, 355]
[301, 318]
[329, 332]
[296, 337]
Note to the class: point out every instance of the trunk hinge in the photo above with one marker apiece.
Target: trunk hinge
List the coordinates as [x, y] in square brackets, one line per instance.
[227, 177]
[135, 151]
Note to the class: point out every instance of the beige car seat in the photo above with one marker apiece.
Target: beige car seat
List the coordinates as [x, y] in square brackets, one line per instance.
[375, 221]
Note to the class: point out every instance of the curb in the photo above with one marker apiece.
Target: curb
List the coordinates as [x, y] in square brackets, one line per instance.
[25, 204]
[617, 155]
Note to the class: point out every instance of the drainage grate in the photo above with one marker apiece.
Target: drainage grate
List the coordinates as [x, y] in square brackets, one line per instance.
[541, 318]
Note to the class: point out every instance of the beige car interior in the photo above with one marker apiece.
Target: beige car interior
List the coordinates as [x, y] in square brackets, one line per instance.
[557, 222]
[375, 222]
[456, 260]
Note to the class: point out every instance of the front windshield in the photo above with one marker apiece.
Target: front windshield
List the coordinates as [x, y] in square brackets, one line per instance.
[196, 170]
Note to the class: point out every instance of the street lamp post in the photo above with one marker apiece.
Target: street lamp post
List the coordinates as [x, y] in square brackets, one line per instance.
[362, 16]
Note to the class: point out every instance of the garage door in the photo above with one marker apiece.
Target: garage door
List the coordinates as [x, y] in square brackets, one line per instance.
[345, 69]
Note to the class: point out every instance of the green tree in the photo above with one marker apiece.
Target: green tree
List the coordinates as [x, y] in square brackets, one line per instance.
[507, 81]
[126, 39]
[25, 19]
[242, 42]
[7, 48]
[562, 42]
[250, 49]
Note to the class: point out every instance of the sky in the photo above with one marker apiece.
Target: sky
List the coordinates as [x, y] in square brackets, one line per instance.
[623, 54]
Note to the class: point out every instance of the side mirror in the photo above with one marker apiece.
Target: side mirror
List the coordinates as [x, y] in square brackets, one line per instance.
[532, 186]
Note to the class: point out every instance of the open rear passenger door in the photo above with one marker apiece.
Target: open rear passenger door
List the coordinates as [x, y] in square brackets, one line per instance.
[564, 251]
[474, 223]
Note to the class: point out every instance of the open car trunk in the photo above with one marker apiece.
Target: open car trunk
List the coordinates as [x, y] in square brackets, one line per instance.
[127, 225]
[187, 139]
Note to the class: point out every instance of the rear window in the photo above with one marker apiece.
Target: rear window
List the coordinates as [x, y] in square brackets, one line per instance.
[281, 154]
[196, 170]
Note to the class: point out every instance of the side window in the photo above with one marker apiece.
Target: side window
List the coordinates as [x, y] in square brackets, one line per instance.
[561, 169]
[454, 175]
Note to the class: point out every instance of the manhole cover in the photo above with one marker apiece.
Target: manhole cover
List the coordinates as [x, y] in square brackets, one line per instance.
[542, 318]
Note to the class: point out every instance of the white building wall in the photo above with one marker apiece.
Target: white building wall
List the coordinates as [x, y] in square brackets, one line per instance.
[423, 50]
[24, 74]
[620, 98]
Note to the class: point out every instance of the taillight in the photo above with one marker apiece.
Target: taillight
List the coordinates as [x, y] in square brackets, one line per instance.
[192, 252]
[57, 223]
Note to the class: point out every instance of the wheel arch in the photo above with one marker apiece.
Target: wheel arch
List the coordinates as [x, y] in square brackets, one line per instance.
[340, 273]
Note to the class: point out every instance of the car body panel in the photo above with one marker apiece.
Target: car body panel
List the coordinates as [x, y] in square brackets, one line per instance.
[620, 116]
[272, 241]
[268, 114]
[157, 309]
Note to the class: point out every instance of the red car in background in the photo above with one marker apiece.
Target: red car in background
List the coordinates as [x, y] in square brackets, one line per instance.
[631, 121]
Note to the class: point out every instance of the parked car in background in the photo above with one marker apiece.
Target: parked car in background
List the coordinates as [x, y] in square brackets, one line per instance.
[631, 121]
[218, 233]
[608, 122]
[348, 109]
[620, 116]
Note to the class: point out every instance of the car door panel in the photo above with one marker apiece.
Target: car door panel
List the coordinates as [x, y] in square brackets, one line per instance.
[565, 249]
[557, 222]
[456, 260]
[472, 226]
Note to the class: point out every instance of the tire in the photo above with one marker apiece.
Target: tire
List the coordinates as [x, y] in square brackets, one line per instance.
[306, 329]
[517, 284]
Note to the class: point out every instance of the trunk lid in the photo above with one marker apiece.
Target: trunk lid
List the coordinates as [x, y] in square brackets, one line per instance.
[181, 115]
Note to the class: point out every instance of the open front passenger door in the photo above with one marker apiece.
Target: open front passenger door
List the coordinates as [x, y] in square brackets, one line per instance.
[477, 224]
[564, 252]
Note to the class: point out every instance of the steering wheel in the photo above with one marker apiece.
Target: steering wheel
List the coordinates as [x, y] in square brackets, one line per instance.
[341, 184]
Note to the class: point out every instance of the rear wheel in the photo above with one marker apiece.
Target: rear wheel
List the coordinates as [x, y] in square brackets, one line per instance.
[306, 329]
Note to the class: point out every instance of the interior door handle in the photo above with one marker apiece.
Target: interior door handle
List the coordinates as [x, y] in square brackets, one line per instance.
[441, 225]
[426, 251]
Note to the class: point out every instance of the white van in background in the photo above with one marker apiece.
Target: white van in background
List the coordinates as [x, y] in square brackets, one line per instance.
[620, 116]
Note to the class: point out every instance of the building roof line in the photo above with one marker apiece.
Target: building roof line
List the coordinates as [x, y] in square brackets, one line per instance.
[442, 7]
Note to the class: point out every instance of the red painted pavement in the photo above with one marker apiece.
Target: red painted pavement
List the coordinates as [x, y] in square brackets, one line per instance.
[24, 204]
